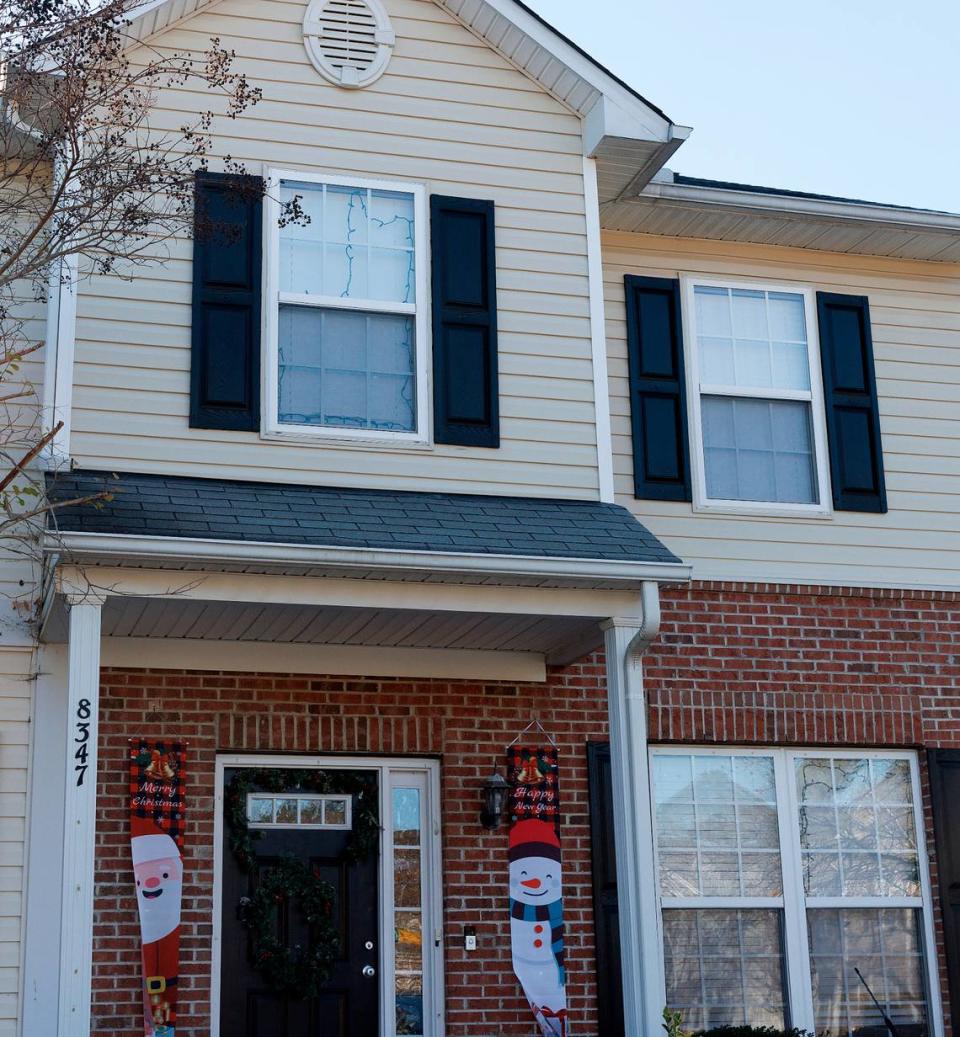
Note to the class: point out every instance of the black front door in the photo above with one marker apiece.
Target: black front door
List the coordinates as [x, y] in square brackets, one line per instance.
[311, 829]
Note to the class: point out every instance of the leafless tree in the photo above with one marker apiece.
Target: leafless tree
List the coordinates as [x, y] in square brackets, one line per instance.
[91, 182]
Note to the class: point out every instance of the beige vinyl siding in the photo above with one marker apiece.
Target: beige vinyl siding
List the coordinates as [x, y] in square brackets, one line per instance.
[915, 313]
[449, 113]
[16, 688]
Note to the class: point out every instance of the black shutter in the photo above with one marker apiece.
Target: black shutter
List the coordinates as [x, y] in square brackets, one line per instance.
[945, 795]
[605, 909]
[850, 396]
[658, 393]
[465, 376]
[225, 358]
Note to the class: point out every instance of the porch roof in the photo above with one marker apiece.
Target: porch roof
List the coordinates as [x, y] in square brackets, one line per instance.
[382, 520]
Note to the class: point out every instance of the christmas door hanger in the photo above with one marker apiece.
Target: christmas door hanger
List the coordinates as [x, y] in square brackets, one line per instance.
[157, 779]
[536, 885]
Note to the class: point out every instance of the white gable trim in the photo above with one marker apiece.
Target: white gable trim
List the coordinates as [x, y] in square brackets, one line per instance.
[529, 44]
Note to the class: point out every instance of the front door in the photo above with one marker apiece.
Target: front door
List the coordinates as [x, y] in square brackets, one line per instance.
[288, 822]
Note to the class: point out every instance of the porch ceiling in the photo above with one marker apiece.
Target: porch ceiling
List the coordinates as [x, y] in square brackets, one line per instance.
[553, 637]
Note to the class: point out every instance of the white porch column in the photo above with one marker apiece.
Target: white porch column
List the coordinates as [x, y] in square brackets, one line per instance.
[79, 818]
[641, 962]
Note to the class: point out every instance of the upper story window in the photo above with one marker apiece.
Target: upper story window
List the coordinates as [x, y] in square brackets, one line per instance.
[757, 422]
[346, 329]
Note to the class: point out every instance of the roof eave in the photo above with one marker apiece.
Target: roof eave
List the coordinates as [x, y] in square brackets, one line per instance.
[115, 548]
[786, 206]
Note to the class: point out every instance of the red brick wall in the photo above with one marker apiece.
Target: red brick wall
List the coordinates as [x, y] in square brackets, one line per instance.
[470, 724]
[735, 663]
[818, 666]
[811, 666]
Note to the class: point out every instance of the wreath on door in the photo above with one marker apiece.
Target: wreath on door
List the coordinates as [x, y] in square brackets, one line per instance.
[296, 971]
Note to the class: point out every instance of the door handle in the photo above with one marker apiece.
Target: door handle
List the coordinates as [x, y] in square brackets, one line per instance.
[369, 971]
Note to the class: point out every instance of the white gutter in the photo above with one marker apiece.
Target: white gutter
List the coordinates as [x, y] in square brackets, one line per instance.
[786, 206]
[111, 547]
[640, 945]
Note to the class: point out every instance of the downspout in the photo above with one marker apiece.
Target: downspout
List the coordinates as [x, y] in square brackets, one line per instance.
[643, 983]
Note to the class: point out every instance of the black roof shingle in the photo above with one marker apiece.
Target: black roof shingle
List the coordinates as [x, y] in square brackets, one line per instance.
[222, 509]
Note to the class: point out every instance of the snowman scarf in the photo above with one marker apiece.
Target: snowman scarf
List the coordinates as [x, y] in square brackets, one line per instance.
[552, 913]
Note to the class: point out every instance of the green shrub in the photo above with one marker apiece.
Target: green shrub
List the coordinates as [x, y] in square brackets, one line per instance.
[753, 1031]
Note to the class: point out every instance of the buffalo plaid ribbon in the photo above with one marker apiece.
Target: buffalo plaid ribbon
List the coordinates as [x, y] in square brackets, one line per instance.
[534, 783]
[157, 785]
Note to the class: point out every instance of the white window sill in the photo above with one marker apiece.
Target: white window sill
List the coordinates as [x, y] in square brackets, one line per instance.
[334, 438]
[757, 509]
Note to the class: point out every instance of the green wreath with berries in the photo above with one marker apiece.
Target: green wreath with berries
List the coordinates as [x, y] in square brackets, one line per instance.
[296, 971]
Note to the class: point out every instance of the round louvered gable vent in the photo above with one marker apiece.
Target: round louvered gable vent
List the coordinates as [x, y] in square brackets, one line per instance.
[349, 41]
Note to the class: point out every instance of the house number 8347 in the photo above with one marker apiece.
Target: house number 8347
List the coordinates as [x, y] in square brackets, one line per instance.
[81, 739]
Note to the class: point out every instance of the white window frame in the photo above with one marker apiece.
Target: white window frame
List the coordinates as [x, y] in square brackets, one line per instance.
[392, 771]
[794, 902]
[273, 428]
[696, 390]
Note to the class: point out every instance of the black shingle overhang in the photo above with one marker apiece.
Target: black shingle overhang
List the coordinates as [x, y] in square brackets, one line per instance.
[221, 509]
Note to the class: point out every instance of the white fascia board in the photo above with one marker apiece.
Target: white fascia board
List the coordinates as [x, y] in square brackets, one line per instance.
[609, 119]
[108, 547]
[644, 122]
[784, 206]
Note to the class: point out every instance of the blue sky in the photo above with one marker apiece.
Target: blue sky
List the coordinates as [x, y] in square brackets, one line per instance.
[847, 97]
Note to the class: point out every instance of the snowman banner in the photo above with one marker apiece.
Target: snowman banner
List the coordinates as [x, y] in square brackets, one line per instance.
[157, 779]
[536, 885]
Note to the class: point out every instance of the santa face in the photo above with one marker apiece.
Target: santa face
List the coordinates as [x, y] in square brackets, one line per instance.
[535, 880]
[158, 895]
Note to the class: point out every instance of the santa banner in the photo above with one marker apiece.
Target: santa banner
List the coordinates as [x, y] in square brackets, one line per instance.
[157, 780]
[536, 885]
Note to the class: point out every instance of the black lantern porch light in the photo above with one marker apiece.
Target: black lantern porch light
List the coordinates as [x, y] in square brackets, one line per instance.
[494, 798]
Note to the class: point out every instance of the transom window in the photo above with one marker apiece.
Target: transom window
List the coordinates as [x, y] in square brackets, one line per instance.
[346, 334]
[300, 811]
[757, 409]
[781, 873]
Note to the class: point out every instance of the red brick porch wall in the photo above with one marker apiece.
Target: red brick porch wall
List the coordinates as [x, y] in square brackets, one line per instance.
[818, 666]
[469, 723]
[736, 663]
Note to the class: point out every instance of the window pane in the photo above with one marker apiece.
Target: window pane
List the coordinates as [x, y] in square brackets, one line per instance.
[759, 450]
[406, 817]
[260, 811]
[752, 338]
[717, 828]
[724, 967]
[857, 830]
[347, 369]
[311, 811]
[885, 945]
[409, 942]
[286, 812]
[358, 243]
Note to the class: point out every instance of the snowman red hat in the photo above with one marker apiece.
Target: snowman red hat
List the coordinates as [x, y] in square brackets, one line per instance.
[534, 838]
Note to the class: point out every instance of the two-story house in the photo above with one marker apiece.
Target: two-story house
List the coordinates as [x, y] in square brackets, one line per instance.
[521, 428]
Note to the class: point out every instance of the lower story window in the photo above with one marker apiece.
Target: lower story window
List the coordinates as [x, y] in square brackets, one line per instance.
[790, 882]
